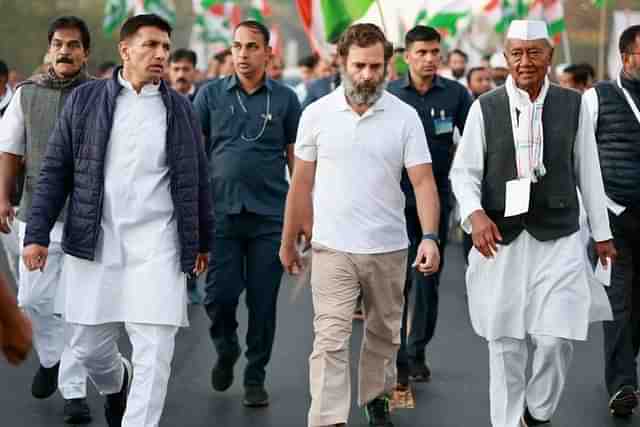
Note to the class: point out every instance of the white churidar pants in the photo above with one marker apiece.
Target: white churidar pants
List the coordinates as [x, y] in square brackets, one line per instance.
[509, 389]
[40, 296]
[96, 347]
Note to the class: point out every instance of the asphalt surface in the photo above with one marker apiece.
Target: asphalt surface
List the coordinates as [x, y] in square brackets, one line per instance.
[457, 396]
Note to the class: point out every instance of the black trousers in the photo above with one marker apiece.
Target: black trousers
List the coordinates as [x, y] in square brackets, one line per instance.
[622, 335]
[425, 313]
[245, 259]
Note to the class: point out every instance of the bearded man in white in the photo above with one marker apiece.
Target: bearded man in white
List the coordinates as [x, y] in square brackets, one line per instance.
[526, 147]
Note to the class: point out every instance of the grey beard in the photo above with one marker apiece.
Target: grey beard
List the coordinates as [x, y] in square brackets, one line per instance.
[359, 96]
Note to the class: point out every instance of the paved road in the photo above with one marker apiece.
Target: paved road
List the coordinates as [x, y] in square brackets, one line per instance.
[456, 397]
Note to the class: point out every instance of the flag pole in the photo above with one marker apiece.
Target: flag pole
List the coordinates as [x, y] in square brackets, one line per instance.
[603, 40]
[384, 25]
[566, 47]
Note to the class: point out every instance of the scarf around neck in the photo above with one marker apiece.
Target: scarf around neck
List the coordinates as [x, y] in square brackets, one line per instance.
[528, 135]
[51, 80]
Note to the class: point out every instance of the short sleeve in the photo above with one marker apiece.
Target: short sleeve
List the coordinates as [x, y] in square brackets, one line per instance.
[306, 145]
[416, 149]
[12, 129]
[292, 119]
[201, 106]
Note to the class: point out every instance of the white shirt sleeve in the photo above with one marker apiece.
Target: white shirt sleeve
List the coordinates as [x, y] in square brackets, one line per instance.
[590, 99]
[12, 132]
[467, 170]
[589, 176]
[306, 146]
[416, 149]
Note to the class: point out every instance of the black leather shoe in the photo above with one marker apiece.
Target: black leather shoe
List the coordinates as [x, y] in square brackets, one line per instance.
[76, 411]
[528, 420]
[378, 412]
[419, 371]
[117, 403]
[623, 402]
[45, 382]
[222, 372]
[255, 396]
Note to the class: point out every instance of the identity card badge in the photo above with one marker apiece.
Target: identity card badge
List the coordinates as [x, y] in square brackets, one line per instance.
[443, 124]
[517, 197]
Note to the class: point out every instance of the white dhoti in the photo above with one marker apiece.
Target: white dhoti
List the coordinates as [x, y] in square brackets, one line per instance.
[153, 345]
[541, 290]
[508, 389]
[536, 288]
[41, 295]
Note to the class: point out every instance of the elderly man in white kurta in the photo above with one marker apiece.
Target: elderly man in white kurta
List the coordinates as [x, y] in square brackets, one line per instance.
[526, 147]
[128, 153]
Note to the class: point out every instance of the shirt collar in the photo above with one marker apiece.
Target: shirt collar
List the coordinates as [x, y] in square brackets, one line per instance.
[148, 89]
[437, 82]
[232, 83]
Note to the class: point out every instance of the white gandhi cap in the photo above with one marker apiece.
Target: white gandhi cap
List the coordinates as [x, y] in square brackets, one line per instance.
[528, 30]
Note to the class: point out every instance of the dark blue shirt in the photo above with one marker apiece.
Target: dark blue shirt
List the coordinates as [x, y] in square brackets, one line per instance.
[444, 106]
[319, 88]
[247, 149]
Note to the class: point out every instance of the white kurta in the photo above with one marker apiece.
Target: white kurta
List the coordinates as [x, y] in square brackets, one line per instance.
[533, 287]
[136, 276]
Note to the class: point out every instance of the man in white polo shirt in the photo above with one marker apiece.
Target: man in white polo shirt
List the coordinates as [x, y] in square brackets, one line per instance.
[351, 149]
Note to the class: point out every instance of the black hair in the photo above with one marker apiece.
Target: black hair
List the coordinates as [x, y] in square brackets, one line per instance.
[458, 52]
[309, 61]
[220, 56]
[106, 66]
[628, 38]
[255, 26]
[71, 22]
[4, 70]
[581, 74]
[133, 24]
[475, 70]
[421, 33]
[184, 54]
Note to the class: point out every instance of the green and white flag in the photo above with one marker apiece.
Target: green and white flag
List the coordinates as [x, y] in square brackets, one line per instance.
[444, 15]
[325, 20]
[259, 10]
[163, 8]
[115, 13]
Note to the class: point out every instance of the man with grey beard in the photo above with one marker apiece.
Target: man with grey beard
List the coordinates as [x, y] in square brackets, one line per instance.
[351, 148]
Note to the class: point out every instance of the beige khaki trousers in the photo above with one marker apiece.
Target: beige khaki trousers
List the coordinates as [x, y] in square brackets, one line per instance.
[337, 279]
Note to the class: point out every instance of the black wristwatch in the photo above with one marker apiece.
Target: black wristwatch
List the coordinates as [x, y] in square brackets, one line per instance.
[431, 236]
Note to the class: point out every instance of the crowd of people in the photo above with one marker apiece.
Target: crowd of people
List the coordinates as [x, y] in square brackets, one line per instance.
[117, 191]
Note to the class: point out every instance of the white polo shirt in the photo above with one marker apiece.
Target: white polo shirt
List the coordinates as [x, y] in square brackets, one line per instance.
[358, 202]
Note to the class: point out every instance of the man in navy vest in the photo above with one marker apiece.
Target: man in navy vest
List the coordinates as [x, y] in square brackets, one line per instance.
[614, 109]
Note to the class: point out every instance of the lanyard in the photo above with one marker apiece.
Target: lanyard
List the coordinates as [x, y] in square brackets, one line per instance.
[266, 117]
[632, 104]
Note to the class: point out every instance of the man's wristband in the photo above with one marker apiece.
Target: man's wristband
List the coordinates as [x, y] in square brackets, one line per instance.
[431, 236]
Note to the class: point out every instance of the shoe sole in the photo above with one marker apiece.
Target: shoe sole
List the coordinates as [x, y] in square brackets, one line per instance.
[260, 404]
[623, 407]
[419, 378]
[78, 419]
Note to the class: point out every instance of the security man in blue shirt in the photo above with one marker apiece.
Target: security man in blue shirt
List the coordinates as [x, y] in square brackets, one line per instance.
[249, 123]
[442, 105]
